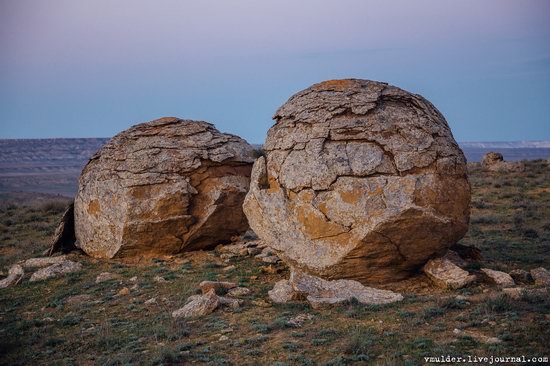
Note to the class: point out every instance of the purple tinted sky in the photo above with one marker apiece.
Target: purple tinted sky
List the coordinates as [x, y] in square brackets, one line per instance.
[93, 68]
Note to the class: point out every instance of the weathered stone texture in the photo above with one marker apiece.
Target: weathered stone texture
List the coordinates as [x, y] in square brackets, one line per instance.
[163, 187]
[360, 180]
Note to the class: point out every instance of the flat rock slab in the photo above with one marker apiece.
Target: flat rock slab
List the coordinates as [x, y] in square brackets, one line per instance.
[198, 305]
[55, 270]
[15, 274]
[446, 274]
[320, 292]
[499, 278]
[43, 262]
[106, 276]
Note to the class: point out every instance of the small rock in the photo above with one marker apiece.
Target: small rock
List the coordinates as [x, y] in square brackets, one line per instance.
[541, 276]
[299, 319]
[78, 299]
[43, 262]
[230, 302]
[229, 268]
[253, 278]
[106, 276]
[499, 278]
[461, 298]
[151, 301]
[477, 336]
[54, 270]
[521, 276]
[254, 251]
[160, 279]
[515, 293]
[238, 292]
[282, 292]
[261, 303]
[266, 252]
[271, 259]
[446, 274]
[270, 269]
[223, 338]
[133, 279]
[199, 305]
[15, 274]
[123, 292]
[206, 286]
[134, 287]
[226, 330]
[227, 256]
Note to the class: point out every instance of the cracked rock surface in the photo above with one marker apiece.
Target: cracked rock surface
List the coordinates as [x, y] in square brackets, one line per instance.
[360, 180]
[163, 187]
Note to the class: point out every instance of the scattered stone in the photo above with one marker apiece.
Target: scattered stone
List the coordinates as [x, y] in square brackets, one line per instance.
[15, 274]
[223, 338]
[199, 305]
[133, 279]
[360, 180]
[521, 276]
[160, 279]
[226, 330]
[43, 262]
[321, 293]
[270, 269]
[282, 292]
[541, 276]
[163, 187]
[54, 270]
[515, 293]
[123, 292]
[229, 268]
[299, 319]
[499, 278]
[477, 336]
[151, 301]
[134, 287]
[261, 303]
[78, 299]
[446, 274]
[206, 286]
[230, 302]
[238, 292]
[254, 251]
[271, 259]
[106, 276]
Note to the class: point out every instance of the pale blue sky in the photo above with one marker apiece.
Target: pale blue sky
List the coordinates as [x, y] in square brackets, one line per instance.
[93, 68]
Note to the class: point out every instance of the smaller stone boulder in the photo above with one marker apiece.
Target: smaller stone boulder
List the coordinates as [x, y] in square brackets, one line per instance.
[15, 274]
[106, 276]
[282, 292]
[199, 305]
[55, 270]
[499, 278]
[541, 276]
[446, 274]
[494, 162]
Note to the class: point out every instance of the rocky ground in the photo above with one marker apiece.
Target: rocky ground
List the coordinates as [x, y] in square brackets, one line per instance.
[116, 313]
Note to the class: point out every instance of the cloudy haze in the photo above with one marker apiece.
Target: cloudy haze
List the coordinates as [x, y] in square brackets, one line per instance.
[93, 68]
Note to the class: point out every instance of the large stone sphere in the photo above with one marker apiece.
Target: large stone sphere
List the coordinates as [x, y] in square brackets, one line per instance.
[360, 180]
[163, 187]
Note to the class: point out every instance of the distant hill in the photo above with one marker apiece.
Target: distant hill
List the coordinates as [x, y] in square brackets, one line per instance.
[53, 165]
